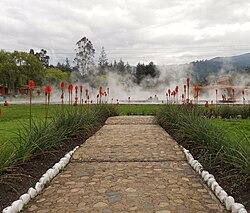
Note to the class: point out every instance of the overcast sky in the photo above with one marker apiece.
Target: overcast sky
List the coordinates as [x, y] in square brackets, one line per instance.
[163, 31]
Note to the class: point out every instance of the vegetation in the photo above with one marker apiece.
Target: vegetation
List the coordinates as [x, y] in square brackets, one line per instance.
[17, 68]
[84, 59]
[213, 144]
[46, 137]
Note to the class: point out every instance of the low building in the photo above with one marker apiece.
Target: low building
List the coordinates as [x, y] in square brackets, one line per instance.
[3, 90]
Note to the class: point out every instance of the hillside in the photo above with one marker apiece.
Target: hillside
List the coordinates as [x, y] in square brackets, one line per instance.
[219, 65]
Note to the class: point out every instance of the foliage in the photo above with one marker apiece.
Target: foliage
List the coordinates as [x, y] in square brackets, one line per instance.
[41, 56]
[103, 61]
[84, 59]
[225, 111]
[65, 67]
[213, 145]
[17, 68]
[233, 112]
[55, 76]
[46, 137]
[146, 71]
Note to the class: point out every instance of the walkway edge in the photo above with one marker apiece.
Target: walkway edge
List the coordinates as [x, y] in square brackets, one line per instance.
[227, 201]
[46, 178]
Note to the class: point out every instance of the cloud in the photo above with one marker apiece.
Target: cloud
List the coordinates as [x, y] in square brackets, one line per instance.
[144, 30]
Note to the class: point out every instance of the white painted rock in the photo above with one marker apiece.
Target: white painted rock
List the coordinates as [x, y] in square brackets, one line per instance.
[222, 196]
[229, 201]
[242, 211]
[17, 206]
[57, 166]
[46, 177]
[43, 180]
[68, 155]
[51, 173]
[64, 161]
[39, 187]
[8, 210]
[208, 176]
[204, 173]
[56, 171]
[25, 198]
[214, 185]
[32, 192]
[75, 148]
[236, 207]
[218, 190]
[191, 161]
[210, 181]
[198, 168]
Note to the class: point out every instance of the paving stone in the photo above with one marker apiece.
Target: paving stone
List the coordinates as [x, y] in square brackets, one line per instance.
[148, 207]
[107, 211]
[100, 205]
[114, 199]
[130, 165]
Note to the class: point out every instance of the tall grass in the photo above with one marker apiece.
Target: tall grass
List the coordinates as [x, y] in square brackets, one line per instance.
[212, 144]
[225, 111]
[45, 137]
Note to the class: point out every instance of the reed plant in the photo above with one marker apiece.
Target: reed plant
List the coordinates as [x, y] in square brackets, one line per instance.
[208, 141]
[48, 136]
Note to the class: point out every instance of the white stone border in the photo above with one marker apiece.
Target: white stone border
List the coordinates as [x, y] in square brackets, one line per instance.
[227, 201]
[18, 205]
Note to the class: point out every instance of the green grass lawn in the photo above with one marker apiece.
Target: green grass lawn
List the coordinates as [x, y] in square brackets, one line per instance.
[237, 129]
[14, 117]
[138, 109]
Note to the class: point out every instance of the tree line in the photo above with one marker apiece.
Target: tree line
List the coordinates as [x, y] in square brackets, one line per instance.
[17, 68]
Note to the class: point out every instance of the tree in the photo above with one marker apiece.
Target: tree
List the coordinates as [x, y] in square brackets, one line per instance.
[128, 68]
[65, 67]
[148, 71]
[103, 61]
[42, 56]
[17, 68]
[8, 71]
[140, 72]
[55, 76]
[121, 67]
[85, 53]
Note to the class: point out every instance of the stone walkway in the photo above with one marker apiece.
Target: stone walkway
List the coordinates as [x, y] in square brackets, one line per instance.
[130, 165]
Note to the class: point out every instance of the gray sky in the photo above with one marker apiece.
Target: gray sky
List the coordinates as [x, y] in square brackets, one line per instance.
[163, 31]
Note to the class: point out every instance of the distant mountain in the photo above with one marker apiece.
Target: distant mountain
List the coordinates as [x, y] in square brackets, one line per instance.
[217, 65]
[239, 60]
